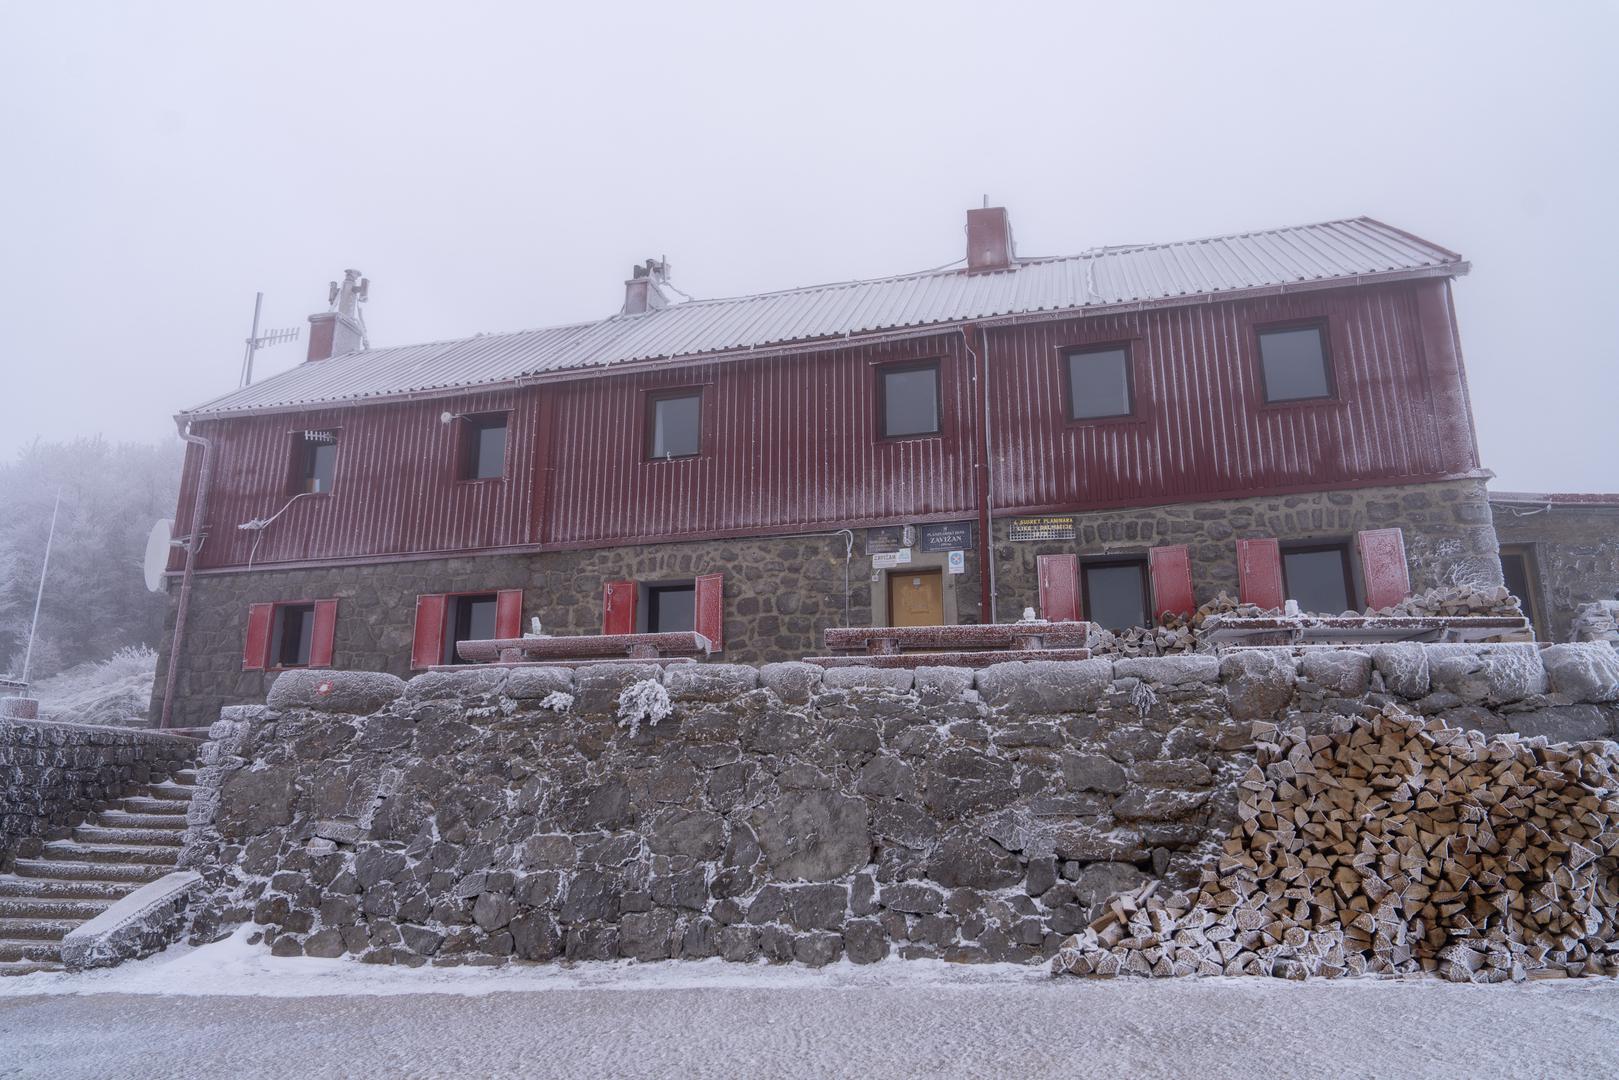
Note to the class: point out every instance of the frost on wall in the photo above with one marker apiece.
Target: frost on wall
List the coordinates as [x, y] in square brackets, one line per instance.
[557, 701]
[645, 700]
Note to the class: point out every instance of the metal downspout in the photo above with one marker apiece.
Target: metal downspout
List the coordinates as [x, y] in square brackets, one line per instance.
[986, 499]
[199, 508]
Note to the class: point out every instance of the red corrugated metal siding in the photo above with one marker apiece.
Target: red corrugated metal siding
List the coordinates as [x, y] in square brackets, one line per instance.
[1201, 427]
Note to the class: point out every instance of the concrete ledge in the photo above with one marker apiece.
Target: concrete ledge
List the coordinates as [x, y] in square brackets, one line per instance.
[140, 924]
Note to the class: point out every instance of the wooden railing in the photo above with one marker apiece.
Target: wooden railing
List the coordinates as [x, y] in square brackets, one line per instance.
[680, 647]
[954, 646]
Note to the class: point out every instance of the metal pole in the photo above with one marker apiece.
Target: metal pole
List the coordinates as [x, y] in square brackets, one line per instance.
[252, 341]
[28, 655]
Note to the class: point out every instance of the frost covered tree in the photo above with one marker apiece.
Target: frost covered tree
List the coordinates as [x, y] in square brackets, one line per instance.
[95, 599]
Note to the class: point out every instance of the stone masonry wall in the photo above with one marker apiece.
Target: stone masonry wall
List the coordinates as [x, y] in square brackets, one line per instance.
[781, 593]
[781, 812]
[1576, 551]
[52, 775]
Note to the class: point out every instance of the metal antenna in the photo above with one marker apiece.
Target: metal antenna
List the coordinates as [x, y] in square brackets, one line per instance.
[50, 538]
[257, 341]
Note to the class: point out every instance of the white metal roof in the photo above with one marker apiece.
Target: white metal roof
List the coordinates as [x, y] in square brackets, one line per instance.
[1334, 252]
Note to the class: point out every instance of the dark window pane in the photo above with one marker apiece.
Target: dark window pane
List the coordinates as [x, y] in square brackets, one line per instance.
[1515, 568]
[1295, 364]
[319, 461]
[1099, 384]
[293, 634]
[676, 422]
[487, 447]
[671, 608]
[911, 402]
[1316, 580]
[1115, 595]
[473, 620]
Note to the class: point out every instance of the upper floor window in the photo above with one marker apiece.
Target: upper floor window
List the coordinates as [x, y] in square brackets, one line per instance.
[908, 400]
[483, 447]
[314, 462]
[1319, 577]
[1116, 593]
[1099, 383]
[292, 635]
[1295, 364]
[675, 425]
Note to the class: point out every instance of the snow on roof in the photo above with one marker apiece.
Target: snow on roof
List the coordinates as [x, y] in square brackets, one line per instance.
[1334, 252]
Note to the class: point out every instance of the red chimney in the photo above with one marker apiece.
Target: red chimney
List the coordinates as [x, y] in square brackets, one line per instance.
[989, 239]
[339, 331]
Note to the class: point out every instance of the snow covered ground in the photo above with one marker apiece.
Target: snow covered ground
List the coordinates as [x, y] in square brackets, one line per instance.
[231, 1009]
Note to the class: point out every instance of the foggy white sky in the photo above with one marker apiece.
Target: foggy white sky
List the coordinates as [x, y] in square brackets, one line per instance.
[495, 167]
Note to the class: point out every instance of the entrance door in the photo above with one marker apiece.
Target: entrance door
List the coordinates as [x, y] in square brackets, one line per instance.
[916, 598]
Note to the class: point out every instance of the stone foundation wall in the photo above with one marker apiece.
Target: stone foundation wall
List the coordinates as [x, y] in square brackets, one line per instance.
[781, 593]
[780, 812]
[53, 775]
[1576, 556]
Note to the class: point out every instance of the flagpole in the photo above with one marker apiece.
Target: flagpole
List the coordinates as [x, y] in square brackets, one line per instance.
[50, 538]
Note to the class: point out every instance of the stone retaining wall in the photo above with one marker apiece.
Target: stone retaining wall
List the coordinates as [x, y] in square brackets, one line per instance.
[53, 775]
[781, 812]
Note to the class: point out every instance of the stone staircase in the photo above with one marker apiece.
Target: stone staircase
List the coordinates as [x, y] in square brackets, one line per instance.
[69, 882]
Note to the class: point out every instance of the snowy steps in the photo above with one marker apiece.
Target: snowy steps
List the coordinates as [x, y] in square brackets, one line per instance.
[69, 881]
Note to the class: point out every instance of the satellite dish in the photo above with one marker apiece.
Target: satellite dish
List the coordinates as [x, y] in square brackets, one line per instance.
[157, 553]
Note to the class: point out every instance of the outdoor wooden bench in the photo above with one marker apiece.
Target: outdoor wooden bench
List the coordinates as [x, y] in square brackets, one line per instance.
[954, 646]
[1237, 632]
[680, 647]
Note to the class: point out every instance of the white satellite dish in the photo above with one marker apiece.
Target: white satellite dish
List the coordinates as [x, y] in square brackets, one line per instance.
[157, 553]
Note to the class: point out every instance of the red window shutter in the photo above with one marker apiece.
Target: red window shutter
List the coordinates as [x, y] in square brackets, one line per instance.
[256, 646]
[1171, 568]
[320, 637]
[427, 648]
[711, 609]
[1059, 587]
[1259, 572]
[1383, 566]
[509, 613]
[618, 607]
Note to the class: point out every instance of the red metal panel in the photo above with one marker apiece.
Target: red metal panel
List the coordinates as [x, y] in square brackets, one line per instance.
[509, 613]
[323, 633]
[711, 609]
[1383, 567]
[1059, 587]
[427, 646]
[1259, 572]
[256, 642]
[618, 607]
[1171, 569]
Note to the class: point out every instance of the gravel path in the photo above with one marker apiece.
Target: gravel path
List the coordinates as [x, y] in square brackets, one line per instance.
[802, 1024]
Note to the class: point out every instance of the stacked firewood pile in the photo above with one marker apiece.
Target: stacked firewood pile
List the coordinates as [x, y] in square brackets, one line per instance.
[1392, 846]
[1457, 600]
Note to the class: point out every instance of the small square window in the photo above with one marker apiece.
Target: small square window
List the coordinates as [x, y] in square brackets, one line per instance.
[1294, 360]
[1319, 578]
[314, 462]
[470, 618]
[292, 634]
[909, 400]
[671, 608]
[483, 447]
[675, 425]
[1115, 593]
[1099, 383]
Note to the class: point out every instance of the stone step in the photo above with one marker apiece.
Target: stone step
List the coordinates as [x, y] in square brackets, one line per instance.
[37, 888]
[74, 851]
[139, 873]
[164, 792]
[23, 907]
[123, 819]
[148, 804]
[31, 951]
[104, 834]
[27, 967]
[35, 929]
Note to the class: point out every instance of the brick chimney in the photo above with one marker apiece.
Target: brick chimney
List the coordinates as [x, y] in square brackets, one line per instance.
[644, 292]
[989, 240]
[340, 330]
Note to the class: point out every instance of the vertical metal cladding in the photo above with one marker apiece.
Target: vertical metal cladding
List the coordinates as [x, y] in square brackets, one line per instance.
[792, 443]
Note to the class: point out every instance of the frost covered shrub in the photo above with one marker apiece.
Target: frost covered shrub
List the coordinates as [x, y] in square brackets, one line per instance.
[644, 700]
[558, 702]
[114, 691]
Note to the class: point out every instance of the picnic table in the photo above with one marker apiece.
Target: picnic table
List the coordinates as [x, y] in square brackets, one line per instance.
[1236, 632]
[954, 646]
[679, 647]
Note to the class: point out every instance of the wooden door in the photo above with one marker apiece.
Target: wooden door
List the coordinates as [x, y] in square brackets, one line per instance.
[916, 598]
